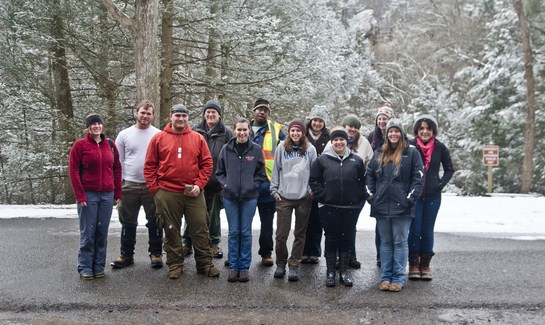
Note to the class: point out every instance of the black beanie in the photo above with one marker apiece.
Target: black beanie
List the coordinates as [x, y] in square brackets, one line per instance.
[262, 102]
[92, 119]
[212, 104]
[337, 132]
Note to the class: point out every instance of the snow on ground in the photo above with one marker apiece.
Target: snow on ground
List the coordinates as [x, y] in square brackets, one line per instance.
[513, 216]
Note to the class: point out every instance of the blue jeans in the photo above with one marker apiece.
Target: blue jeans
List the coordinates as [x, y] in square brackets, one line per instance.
[422, 226]
[394, 250]
[240, 214]
[94, 221]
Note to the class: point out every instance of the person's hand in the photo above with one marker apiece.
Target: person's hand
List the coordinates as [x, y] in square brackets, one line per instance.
[116, 201]
[82, 204]
[310, 196]
[195, 191]
[277, 197]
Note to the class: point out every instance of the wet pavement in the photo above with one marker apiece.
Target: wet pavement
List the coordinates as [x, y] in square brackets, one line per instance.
[478, 279]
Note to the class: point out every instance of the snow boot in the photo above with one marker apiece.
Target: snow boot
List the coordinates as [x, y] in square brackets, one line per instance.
[344, 278]
[425, 271]
[414, 266]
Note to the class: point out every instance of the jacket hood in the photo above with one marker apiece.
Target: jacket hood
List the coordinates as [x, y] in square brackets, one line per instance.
[331, 152]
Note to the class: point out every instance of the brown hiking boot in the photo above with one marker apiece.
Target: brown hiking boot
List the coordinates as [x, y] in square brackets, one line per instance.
[175, 272]
[395, 287]
[384, 286]
[122, 261]
[156, 261]
[425, 271]
[209, 272]
[266, 261]
[414, 267]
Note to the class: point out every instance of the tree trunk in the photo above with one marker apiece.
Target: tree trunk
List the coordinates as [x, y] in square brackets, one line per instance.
[63, 94]
[166, 65]
[212, 56]
[143, 27]
[146, 51]
[529, 137]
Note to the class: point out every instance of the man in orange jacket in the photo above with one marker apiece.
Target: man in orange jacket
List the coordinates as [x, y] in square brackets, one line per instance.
[178, 166]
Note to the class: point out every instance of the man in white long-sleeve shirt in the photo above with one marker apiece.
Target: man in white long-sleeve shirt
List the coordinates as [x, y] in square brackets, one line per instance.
[132, 144]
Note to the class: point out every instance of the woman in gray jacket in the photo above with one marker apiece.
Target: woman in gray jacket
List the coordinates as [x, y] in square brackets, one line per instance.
[289, 186]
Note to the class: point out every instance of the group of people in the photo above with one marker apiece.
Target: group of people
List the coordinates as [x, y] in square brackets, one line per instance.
[321, 176]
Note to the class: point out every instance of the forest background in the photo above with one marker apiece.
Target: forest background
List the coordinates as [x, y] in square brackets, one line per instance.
[476, 65]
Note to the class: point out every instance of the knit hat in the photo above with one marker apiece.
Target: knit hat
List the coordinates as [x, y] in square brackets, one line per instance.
[262, 102]
[428, 118]
[352, 120]
[179, 108]
[212, 104]
[319, 111]
[395, 123]
[385, 110]
[297, 123]
[337, 132]
[92, 118]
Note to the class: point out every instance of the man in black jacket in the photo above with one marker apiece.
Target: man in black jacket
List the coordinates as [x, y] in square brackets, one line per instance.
[216, 135]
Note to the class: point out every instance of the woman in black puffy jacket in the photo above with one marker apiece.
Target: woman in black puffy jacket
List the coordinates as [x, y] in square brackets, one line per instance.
[394, 181]
[337, 180]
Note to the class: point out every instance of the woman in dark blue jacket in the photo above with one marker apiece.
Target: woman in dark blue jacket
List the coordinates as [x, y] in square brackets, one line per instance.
[240, 171]
[337, 181]
[434, 155]
[394, 181]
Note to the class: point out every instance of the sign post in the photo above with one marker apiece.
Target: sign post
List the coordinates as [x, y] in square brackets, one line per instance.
[491, 158]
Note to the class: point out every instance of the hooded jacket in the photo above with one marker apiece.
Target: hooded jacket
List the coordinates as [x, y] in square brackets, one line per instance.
[93, 167]
[393, 190]
[336, 181]
[216, 138]
[164, 169]
[240, 176]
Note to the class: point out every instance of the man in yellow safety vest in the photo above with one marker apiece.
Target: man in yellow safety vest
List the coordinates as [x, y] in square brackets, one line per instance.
[267, 134]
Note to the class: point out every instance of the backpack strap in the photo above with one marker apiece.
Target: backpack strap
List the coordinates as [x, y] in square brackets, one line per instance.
[111, 146]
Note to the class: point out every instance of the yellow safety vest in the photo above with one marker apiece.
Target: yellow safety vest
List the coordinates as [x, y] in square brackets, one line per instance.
[269, 146]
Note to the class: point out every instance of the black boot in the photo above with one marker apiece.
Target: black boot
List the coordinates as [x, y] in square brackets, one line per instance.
[344, 276]
[330, 263]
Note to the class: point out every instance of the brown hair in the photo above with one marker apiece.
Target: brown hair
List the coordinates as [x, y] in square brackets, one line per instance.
[389, 153]
[241, 120]
[288, 144]
[145, 104]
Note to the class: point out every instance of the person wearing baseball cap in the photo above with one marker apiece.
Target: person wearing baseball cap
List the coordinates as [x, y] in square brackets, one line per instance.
[267, 134]
[177, 168]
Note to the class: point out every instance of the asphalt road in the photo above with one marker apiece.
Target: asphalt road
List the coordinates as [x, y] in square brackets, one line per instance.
[477, 280]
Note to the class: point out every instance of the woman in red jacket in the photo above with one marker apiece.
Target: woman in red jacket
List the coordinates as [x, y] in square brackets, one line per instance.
[95, 174]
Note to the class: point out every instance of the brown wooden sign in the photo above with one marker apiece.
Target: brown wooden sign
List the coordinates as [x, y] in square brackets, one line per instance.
[491, 155]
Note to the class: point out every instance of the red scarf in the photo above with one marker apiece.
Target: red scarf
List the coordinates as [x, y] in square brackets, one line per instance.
[427, 150]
